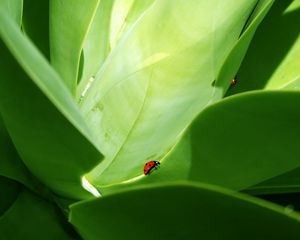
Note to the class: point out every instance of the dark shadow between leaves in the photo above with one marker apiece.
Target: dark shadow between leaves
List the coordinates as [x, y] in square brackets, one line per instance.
[272, 41]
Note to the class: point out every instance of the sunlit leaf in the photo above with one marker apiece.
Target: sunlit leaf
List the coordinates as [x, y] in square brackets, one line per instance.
[235, 57]
[270, 63]
[13, 8]
[150, 81]
[236, 143]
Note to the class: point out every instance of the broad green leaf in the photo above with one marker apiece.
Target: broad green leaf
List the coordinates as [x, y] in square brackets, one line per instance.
[263, 128]
[36, 24]
[235, 57]
[183, 211]
[9, 191]
[13, 8]
[112, 20]
[160, 72]
[238, 142]
[270, 63]
[174, 166]
[41, 116]
[11, 166]
[69, 24]
[31, 217]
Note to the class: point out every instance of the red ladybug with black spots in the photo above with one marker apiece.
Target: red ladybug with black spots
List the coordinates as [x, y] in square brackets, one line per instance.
[149, 166]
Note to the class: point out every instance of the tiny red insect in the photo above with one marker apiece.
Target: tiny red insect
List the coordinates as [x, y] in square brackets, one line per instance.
[233, 82]
[149, 166]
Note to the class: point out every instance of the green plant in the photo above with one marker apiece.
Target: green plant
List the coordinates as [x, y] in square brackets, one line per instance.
[92, 90]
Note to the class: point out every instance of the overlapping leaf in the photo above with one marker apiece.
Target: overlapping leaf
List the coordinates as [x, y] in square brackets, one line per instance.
[239, 142]
[41, 116]
[271, 64]
[14, 8]
[11, 166]
[235, 57]
[69, 24]
[9, 192]
[148, 81]
[183, 211]
[31, 217]
[35, 24]
[111, 21]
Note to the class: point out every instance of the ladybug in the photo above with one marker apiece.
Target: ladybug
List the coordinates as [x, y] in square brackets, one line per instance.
[149, 166]
[233, 82]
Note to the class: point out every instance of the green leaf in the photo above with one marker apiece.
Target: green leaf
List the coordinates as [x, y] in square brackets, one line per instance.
[286, 183]
[273, 64]
[112, 20]
[125, 14]
[183, 211]
[235, 57]
[9, 191]
[96, 45]
[247, 139]
[36, 24]
[161, 71]
[11, 166]
[294, 84]
[257, 12]
[238, 142]
[69, 24]
[175, 166]
[31, 217]
[287, 72]
[13, 8]
[41, 116]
